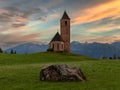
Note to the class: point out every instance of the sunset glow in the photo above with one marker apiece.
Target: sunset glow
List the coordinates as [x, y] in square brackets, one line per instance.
[38, 20]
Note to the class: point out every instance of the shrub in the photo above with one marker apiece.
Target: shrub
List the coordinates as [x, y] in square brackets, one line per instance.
[49, 50]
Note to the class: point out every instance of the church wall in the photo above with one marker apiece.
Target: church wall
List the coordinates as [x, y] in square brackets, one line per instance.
[57, 46]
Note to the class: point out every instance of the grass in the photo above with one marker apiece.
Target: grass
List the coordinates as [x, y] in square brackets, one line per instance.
[21, 72]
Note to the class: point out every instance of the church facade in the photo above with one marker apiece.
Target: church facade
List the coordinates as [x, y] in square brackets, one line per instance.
[61, 42]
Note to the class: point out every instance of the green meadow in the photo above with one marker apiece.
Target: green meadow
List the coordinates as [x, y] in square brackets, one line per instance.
[21, 72]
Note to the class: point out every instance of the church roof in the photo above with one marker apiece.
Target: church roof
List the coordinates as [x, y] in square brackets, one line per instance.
[57, 37]
[65, 16]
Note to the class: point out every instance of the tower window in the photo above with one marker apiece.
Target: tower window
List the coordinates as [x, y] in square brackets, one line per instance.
[65, 23]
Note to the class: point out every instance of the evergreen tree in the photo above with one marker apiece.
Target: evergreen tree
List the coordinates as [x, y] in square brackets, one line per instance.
[114, 56]
[11, 51]
[14, 52]
[118, 57]
[1, 50]
[104, 57]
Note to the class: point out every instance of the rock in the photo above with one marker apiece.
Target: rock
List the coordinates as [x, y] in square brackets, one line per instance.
[61, 72]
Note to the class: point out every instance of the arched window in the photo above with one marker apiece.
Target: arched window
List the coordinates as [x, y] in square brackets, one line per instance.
[65, 23]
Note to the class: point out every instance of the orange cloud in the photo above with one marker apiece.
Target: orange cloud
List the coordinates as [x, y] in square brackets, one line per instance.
[108, 9]
[108, 39]
[3, 11]
[18, 19]
[104, 28]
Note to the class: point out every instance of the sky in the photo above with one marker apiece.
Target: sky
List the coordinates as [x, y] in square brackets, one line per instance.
[37, 21]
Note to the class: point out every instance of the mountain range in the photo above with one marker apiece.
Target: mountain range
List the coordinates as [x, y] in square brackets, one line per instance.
[95, 50]
[28, 48]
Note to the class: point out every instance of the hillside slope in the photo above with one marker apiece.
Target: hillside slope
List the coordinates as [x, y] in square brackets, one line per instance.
[41, 57]
[21, 72]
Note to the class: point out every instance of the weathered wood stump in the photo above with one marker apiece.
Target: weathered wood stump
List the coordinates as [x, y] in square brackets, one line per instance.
[61, 72]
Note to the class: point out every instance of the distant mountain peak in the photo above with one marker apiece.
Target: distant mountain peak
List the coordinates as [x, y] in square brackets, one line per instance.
[28, 48]
[95, 50]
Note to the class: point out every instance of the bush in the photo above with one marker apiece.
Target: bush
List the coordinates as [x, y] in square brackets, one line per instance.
[49, 50]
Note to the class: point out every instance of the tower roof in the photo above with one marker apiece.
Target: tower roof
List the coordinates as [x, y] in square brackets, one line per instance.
[57, 37]
[65, 16]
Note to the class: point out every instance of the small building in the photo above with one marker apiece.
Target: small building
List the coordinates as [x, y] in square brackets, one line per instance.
[61, 42]
[57, 43]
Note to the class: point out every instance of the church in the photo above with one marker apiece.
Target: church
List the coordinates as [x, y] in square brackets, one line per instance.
[61, 42]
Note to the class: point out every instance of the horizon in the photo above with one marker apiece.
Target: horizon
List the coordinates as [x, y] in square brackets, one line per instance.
[41, 43]
[37, 21]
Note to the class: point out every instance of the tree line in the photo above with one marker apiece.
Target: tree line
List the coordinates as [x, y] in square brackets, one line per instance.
[11, 52]
[112, 57]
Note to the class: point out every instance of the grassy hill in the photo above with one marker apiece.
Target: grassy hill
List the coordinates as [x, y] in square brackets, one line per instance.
[21, 72]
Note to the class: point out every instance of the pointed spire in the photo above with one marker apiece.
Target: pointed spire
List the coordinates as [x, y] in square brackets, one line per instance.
[65, 16]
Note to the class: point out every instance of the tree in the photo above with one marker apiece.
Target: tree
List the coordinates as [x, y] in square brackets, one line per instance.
[1, 50]
[11, 51]
[104, 57]
[114, 56]
[110, 58]
[118, 57]
[14, 52]
[6, 52]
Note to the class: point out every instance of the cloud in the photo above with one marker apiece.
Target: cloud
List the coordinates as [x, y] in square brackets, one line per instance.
[16, 15]
[38, 20]
[108, 39]
[18, 25]
[12, 39]
[105, 28]
[4, 17]
[99, 38]
[98, 12]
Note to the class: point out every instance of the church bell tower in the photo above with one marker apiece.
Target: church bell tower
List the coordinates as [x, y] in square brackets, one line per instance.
[65, 31]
